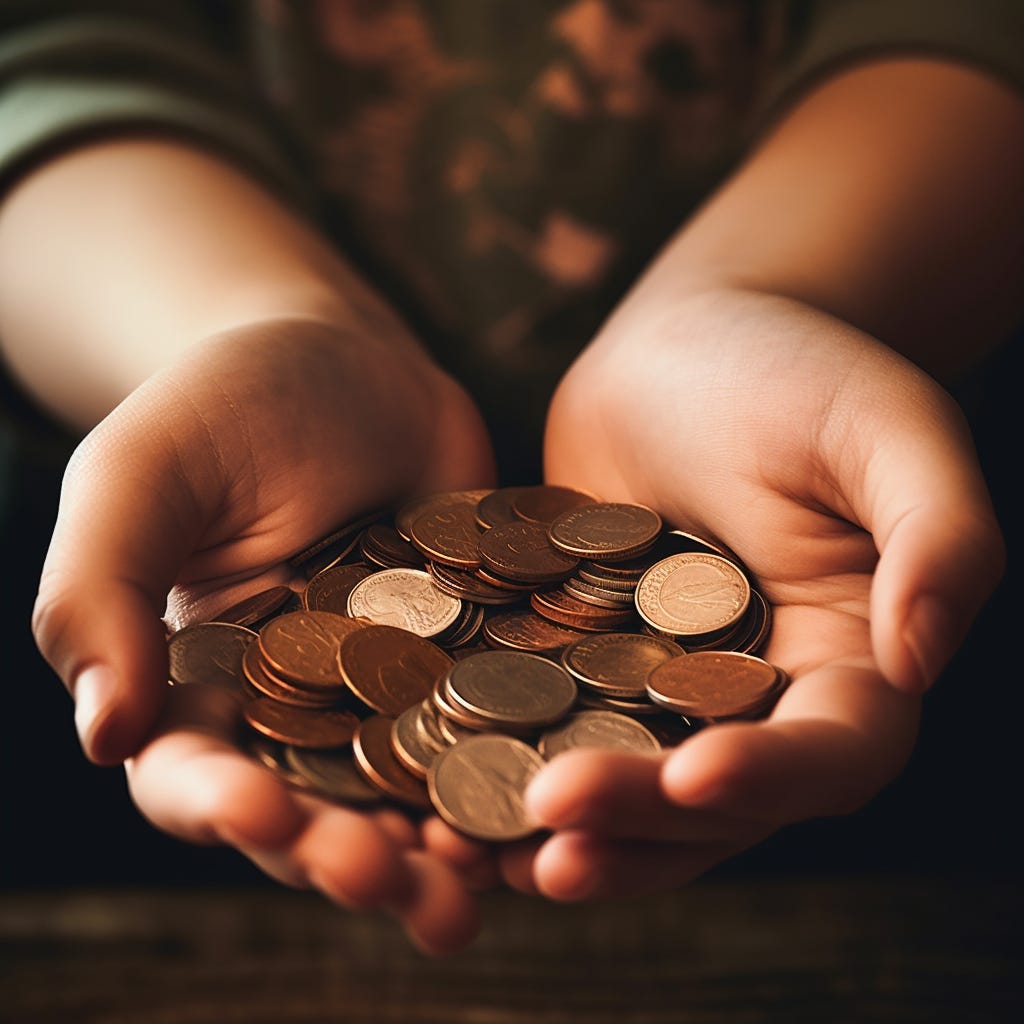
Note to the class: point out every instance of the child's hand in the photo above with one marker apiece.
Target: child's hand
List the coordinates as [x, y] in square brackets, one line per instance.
[205, 480]
[847, 482]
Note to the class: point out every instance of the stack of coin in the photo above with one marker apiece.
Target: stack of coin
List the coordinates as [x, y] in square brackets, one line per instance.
[440, 654]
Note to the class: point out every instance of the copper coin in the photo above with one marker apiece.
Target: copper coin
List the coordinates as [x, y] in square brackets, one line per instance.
[693, 594]
[449, 536]
[522, 551]
[409, 742]
[495, 509]
[601, 597]
[389, 669]
[303, 647]
[605, 530]
[512, 688]
[332, 774]
[561, 607]
[332, 548]
[302, 727]
[254, 610]
[468, 586]
[406, 598]
[618, 664]
[416, 507]
[451, 712]
[526, 631]
[544, 503]
[606, 730]
[209, 652]
[477, 786]
[386, 547]
[375, 758]
[264, 683]
[713, 684]
[328, 590]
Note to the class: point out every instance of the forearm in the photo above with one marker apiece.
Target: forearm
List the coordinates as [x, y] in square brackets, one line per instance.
[888, 197]
[116, 257]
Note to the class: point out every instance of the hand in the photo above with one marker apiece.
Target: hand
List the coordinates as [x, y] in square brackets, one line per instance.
[201, 484]
[847, 482]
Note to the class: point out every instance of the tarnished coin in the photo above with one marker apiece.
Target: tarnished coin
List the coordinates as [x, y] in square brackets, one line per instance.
[495, 509]
[252, 611]
[410, 743]
[522, 551]
[521, 630]
[468, 586]
[714, 684]
[411, 510]
[406, 598]
[375, 758]
[209, 652]
[450, 536]
[389, 669]
[607, 730]
[477, 786]
[544, 503]
[301, 727]
[328, 590]
[617, 664]
[332, 774]
[385, 547]
[303, 647]
[512, 688]
[605, 530]
[692, 594]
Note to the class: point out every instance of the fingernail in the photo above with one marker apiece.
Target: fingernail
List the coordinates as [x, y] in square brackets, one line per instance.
[929, 634]
[94, 692]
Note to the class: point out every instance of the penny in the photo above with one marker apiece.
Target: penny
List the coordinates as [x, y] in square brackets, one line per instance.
[495, 509]
[332, 548]
[301, 727]
[449, 536]
[692, 594]
[376, 760]
[561, 607]
[468, 586]
[410, 744]
[450, 712]
[512, 688]
[389, 669]
[617, 664]
[524, 630]
[544, 503]
[332, 774]
[406, 598]
[605, 530]
[266, 684]
[328, 590]
[385, 546]
[252, 611]
[522, 551]
[477, 786]
[602, 597]
[713, 684]
[209, 652]
[606, 730]
[411, 510]
[303, 647]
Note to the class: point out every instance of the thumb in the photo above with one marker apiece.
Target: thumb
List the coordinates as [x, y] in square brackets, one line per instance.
[941, 548]
[126, 521]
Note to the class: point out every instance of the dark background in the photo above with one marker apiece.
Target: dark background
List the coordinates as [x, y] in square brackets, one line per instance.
[953, 811]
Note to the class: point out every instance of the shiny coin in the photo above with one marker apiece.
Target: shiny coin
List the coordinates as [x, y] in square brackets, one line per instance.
[495, 509]
[714, 684]
[412, 510]
[477, 786]
[544, 503]
[561, 607]
[512, 688]
[253, 611]
[389, 669]
[693, 594]
[606, 730]
[209, 652]
[328, 590]
[301, 727]
[303, 647]
[265, 683]
[605, 530]
[617, 664]
[450, 536]
[375, 758]
[410, 743]
[468, 586]
[385, 547]
[332, 774]
[406, 598]
[522, 551]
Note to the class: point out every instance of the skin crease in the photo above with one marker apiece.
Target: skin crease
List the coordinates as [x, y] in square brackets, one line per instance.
[242, 363]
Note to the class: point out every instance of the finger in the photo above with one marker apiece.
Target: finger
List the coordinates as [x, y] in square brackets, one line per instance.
[473, 861]
[439, 916]
[577, 865]
[837, 736]
[616, 795]
[125, 523]
[516, 863]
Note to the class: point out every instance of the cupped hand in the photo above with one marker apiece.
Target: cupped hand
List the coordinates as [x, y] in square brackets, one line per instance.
[192, 494]
[847, 482]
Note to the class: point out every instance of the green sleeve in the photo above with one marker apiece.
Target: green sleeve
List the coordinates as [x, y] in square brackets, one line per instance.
[67, 78]
[829, 35]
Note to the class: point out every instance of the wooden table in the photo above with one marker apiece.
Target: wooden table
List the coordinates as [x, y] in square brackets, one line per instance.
[935, 950]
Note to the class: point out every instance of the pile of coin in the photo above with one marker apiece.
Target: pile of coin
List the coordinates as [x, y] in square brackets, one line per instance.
[438, 656]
